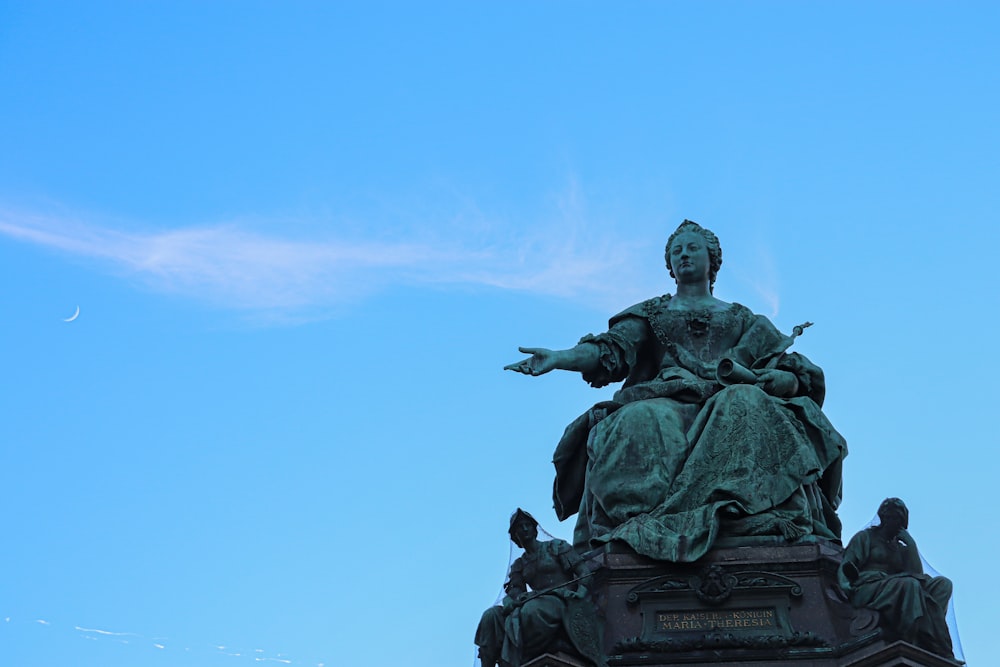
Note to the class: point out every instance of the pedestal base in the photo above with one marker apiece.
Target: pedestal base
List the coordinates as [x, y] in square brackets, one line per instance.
[759, 606]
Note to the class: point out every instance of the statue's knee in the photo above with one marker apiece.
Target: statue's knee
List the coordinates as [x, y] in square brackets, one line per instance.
[649, 411]
[638, 411]
[493, 613]
[940, 588]
[490, 623]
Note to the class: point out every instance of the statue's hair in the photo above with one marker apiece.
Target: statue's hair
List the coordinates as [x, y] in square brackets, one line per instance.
[514, 519]
[711, 242]
[894, 505]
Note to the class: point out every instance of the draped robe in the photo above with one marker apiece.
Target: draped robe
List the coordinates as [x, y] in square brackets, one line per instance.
[676, 459]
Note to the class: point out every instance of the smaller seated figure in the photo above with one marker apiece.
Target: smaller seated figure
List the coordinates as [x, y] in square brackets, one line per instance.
[881, 570]
[555, 614]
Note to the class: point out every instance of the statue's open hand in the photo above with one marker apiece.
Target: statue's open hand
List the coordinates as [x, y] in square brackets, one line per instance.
[782, 384]
[540, 362]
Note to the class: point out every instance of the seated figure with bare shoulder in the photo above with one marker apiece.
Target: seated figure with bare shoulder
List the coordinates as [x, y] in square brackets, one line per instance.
[882, 571]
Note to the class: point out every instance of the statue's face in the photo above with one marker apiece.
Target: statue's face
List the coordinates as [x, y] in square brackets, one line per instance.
[892, 521]
[525, 531]
[689, 259]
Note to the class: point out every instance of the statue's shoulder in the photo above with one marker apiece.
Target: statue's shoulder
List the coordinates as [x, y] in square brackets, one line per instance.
[644, 309]
[564, 551]
[559, 546]
[861, 539]
[745, 314]
[752, 320]
[519, 564]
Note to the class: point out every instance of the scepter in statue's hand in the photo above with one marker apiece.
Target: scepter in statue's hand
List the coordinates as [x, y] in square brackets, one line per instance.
[580, 593]
[775, 382]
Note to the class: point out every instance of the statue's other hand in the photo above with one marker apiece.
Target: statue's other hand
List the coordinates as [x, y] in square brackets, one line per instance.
[782, 384]
[507, 605]
[540, 362]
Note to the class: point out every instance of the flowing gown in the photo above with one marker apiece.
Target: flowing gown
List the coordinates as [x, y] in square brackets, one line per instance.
[677, 460]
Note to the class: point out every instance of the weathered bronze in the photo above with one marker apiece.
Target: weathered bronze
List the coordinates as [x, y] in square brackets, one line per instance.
[546, 606]
[881, 570]
[716, 432]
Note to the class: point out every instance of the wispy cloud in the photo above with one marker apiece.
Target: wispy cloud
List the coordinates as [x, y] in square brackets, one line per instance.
[238, 266]
[105, 632]
[759, 272]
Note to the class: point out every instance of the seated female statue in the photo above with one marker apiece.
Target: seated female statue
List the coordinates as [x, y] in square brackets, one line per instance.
[881, 570]
[681, 457]
[556, 609]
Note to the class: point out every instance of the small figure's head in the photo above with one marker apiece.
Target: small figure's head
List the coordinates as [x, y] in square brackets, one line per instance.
[523, 527]
[711, 242]
[893, 514]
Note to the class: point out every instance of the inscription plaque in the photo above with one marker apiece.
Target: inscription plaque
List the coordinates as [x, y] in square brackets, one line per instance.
[743, 605]
[755, 619]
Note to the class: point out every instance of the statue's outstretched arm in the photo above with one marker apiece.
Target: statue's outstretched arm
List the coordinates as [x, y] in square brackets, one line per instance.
[584, 358]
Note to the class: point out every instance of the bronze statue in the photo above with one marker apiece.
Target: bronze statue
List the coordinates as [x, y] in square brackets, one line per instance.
[554, 614]
[881, 570]
[717, 430]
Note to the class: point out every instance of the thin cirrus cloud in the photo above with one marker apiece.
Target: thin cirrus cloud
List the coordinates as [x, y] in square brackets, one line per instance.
[105, 632]
[760, 274]
[237, 267]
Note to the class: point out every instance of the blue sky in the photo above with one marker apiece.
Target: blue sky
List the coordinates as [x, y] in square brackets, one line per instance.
[305, 238]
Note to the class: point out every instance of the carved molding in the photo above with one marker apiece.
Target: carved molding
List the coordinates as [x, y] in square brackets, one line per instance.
[714, 640]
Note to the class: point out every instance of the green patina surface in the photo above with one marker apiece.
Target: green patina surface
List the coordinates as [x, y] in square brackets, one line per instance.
[717, 430]
[546, 600]
[881, 570]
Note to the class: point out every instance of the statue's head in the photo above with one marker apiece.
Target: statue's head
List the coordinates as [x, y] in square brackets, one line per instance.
[522, 525]
[711, 243]
[894, 511]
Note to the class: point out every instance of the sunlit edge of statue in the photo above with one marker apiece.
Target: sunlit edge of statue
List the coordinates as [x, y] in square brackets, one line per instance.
[685, 453]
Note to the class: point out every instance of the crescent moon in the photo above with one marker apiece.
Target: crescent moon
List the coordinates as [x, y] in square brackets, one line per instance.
[74, 316]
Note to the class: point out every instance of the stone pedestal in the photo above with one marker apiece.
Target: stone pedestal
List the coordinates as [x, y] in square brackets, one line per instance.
[897, 654]
[557, 659]
[759, 606]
